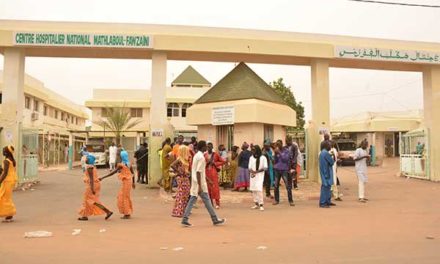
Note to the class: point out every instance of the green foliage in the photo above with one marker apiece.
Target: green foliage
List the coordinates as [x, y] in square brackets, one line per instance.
[117, 120]
[286, 93]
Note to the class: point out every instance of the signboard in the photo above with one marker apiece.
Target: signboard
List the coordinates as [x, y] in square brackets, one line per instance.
[387, 54]
[96, 40]
[157, 132]
[223, 115]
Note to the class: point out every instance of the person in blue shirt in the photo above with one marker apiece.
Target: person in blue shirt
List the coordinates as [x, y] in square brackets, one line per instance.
[326, 171]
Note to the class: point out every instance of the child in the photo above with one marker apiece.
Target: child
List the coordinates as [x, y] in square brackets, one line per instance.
[91, 204]
[127, 183]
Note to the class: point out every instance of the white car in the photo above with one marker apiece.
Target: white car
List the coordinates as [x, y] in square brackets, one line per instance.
[98, 151]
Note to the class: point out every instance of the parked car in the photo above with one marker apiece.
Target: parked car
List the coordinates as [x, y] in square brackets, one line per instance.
[346, 149]
[99, 152]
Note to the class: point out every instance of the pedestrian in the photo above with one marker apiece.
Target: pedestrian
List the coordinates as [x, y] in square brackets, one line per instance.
[326, 138]
[194, 144]
[223, 173]
[361, 157]
[335, 190]
[293, 151]
[91, 203]
[269, 173]
[124, 202]
[112, 151]
[257, 167]
[66, 153]
[281, 168]
[8, 179]
[178, 143]
[242, 179]
[181, 167]
[84, 154]
[232, 167]
[326, 171]
[167, 159]
[199, 187]
[213, 164]
[141, 156]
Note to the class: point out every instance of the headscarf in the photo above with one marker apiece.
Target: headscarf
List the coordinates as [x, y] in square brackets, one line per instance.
[245, 145]
[10, 148]
[90, 159]
[124, 158]
[267, 142]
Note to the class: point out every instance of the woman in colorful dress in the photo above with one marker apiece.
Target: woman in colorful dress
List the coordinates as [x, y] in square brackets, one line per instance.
[213, 165]
[8, 179]
[125, 204]
[181, 167]
[232, 165]
[242, 179]
[91, 204]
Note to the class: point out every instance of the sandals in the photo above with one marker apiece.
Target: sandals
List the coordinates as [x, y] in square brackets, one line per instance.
[125, 217]
[84, 218]
[108, 215]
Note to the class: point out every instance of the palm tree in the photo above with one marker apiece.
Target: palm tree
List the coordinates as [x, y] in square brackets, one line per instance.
[118, 119]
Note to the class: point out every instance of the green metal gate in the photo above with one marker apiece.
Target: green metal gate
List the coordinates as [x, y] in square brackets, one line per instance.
[28, 156]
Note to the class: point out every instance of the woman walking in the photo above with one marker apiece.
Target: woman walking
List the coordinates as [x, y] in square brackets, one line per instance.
[213, 165]
[242, 179]
[181, 167]
[8, 179]
[125, 204]
[91, 204]
[257, 167]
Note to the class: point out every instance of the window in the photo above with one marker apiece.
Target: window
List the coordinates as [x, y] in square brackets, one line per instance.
[45, 110]
[56, 114]
[136, 112]
[62, 116]
[0, 98]
[71, 119]
[173, 109]
[268, 132]
[104, 112]
[76, 121]
[27, 102]
[184, 107]
[36, 106]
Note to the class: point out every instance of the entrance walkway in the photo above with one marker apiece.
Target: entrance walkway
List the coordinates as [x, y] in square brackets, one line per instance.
[400, 224]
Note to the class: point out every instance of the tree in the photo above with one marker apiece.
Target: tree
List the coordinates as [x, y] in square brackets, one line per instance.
[118, 119]
[286, 93]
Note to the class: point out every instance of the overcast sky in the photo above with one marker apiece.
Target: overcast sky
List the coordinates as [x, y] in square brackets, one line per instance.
[351, 91]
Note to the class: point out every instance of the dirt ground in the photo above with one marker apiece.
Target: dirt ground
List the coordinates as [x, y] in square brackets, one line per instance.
[400, 224]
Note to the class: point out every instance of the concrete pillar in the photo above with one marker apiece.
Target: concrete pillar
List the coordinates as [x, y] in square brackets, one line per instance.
[158, 115]
[70, 153]
[320, 115]
[13, 98]
[431, 96]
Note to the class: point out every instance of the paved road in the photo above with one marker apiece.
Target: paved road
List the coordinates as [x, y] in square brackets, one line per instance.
[392, 228]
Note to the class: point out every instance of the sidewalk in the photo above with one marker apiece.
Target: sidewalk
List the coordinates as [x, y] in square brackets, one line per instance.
[60, 167]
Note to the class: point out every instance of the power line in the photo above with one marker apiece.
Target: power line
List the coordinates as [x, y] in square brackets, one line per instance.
[395, 3]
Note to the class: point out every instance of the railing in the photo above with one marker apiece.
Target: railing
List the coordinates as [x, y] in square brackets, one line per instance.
[414, 165]
[28, 169]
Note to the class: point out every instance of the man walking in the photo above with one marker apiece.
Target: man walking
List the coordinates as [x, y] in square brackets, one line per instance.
[293, 151]
[199, 187]
[361, 157]
[141, 156]
[112, 151]
[326, 171]
[281, 167]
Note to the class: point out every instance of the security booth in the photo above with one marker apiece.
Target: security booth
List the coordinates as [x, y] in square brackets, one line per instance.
[241, 107]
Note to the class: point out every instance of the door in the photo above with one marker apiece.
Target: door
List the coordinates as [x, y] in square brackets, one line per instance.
[225, 136]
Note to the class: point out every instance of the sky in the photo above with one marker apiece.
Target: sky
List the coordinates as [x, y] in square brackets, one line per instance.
[351, 91]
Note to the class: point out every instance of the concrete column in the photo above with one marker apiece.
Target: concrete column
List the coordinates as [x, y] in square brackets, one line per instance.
[431, 96]
[320, 115]
[13, 98]
[70, 153]
[158, 115]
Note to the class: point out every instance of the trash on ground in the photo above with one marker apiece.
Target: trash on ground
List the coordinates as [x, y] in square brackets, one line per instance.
[37, 234]
[163, 248]
[430, 237]
[76, 232]
[178, 248]
[262, 248]
[102, 230]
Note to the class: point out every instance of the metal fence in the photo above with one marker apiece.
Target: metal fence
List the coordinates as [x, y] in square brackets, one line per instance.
[28, 157]
[414, 154]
